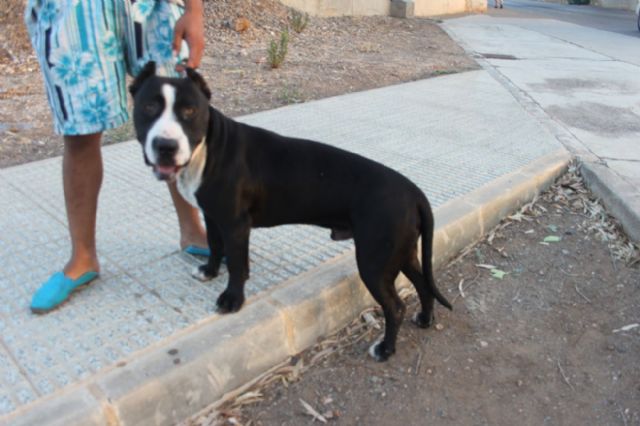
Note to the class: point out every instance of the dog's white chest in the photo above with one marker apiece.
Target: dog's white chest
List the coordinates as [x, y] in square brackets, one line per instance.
[190, 178]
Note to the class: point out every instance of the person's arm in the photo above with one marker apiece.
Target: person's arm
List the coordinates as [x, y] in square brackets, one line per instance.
[190, 28]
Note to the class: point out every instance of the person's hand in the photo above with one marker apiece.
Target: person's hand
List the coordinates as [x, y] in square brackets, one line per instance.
[190, 28]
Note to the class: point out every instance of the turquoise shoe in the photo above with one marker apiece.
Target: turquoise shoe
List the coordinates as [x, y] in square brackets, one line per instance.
[197, 251]
[57, 289]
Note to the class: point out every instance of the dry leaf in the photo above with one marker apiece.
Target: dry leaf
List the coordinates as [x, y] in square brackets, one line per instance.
[242, 24]
[498, 273]
[485, 266]
[313, 413]
[371, 321]
[552, 239]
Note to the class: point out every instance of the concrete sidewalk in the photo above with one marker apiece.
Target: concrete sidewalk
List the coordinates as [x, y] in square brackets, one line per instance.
[583, 84]
[143, 345]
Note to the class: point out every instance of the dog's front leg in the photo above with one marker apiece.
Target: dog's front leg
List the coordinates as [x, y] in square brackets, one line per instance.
[216, 244]
[236, 242]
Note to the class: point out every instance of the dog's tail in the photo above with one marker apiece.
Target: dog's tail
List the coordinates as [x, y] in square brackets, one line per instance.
[427, 225]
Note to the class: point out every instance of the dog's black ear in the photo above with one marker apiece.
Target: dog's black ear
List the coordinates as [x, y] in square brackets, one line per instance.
[194, 76]
[147, 71]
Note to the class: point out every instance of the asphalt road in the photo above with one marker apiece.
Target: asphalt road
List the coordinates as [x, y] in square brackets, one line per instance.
[614, 20]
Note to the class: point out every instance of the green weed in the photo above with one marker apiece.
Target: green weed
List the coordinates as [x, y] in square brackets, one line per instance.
[276, 52]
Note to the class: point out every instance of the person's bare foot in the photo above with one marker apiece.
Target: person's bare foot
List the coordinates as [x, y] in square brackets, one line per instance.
[78, 265]
[192, 231]
[197, 238]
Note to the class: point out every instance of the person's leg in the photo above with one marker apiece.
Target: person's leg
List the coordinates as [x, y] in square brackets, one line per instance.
[82, 178]
[83, 69]
[192, 233]
[149, 36]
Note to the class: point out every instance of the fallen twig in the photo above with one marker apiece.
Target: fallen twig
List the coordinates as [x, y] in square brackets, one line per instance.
[485, 266]
[370, 320]
[613, 260]
[501, 252]
[580, 293]
[472, 282]
[313, 413]
[626, 327]
[247, 398]
[416, 371]
[564, 377]
[568, 274]
[460, 287]
[322, 354]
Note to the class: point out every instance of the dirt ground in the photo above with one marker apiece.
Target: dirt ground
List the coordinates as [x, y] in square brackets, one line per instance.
[555, 341]
[329, 57]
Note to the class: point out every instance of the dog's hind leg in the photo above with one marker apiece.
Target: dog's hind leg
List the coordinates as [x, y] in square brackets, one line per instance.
[379, 276]
[412, 270]
[393, 309]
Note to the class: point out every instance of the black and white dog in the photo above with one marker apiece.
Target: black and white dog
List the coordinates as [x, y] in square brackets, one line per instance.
[244, 177]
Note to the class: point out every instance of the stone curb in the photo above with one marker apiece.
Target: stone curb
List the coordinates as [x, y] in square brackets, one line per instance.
[621, 198]
[180, 376]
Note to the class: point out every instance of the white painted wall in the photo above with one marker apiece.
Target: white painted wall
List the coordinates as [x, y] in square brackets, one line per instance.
[444, 7]
[381, 7]
[340, 7]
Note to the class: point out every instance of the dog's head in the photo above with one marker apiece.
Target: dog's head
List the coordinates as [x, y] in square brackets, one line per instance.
[171, 117]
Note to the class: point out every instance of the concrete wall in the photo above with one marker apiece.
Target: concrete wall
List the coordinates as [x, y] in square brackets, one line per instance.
[340, 7]
[444, 7]
[381, 7]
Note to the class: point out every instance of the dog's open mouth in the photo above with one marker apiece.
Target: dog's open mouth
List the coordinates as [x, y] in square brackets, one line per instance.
[166, 172]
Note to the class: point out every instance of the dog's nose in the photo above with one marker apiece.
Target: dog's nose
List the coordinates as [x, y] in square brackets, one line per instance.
[165, 146]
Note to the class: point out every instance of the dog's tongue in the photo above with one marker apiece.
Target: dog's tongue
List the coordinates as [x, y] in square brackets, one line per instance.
[166, 170]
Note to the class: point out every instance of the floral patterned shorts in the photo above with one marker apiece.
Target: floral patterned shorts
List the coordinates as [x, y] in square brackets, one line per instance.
[87, 47]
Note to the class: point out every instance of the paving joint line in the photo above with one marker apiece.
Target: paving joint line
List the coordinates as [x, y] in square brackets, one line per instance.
[546, 58]
[583, 47]
[629, 160]
[21, 370]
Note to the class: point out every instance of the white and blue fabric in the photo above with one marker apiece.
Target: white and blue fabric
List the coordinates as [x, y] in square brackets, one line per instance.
[86, 48]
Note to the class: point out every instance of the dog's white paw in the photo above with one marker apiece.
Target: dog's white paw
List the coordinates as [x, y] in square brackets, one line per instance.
[372, 348]
[199, 274]
[380, 351]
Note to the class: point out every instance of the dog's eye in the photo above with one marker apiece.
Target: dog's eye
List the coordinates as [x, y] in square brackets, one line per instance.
[152, 108]
[187, 112]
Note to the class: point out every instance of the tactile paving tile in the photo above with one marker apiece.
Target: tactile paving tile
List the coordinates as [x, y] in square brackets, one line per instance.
[112, 318]
[15, 389]
[432, 131]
